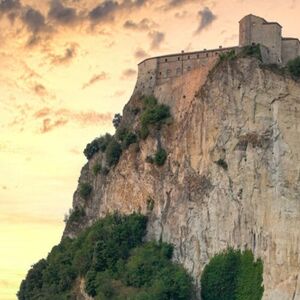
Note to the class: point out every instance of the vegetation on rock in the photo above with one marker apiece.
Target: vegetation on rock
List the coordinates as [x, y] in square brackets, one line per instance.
[75, 215]
[160, 157]
[113, 152]
[153, 114]
[294, 67]
[232, 275]
[97, 168]
[85, 190]
[115, 263]
[98, 144]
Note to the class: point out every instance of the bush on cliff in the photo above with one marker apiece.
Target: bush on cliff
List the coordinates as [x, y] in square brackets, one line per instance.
[113, 153]
[98, 144]
[294, 67]
[85, 190]
[115, 263]
[232, 275]
[153, 114]
[160, 157]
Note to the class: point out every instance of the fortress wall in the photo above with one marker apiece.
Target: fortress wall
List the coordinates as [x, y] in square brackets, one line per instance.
[290, 49]
[246, 26]
[269, 35]
[173, 66]
[146, 79]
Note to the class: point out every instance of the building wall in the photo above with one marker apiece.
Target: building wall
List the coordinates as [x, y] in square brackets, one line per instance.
[158, 70]
[146, 79]
[258, 31]
[290, 50]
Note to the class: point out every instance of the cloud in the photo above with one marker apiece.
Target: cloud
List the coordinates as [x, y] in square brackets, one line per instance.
[97, 77]
[34, 20]
[107, 10]
[206, 18]
[104, 11]
[140, 53]
[55, 118]
[128, 73]
[9, 5]
[40, 90]
[49, 124]
[181, 14]
[157, 38]
[61, 14]
[171, 4]
[70, 53]
[144, 24]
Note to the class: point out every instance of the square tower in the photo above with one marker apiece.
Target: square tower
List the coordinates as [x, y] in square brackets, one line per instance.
[256, 30]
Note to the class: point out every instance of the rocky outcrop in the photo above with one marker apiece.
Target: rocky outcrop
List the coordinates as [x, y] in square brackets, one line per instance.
[232, 175]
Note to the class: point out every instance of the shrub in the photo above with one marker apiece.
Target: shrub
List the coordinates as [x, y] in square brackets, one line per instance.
[160, 157]
[117, 120]
[222, 163]
[97, 168]
[232, 275]
[130, 138]
[115, 263]
[85, 190]
[153, 114]
[75, 215]
[227, 55]
[98, 144]
[294, 67]
[252, 50]
[113, 152]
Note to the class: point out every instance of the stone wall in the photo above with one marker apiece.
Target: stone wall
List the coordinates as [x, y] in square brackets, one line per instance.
[290, 49]
[255, 30]
[158, 70]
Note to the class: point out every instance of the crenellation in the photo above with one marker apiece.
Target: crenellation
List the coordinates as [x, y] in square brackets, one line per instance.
[253, 30]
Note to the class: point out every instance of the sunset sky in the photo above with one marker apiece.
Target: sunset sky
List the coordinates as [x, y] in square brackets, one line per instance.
[67, 66]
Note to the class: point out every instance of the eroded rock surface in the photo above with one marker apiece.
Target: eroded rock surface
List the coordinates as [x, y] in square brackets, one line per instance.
[232, 176]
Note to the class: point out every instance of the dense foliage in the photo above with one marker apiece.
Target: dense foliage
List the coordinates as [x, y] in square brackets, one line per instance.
[98, 144]
[294, 67]
[75, 215]
[252, 50]
[113, 153]
[232, 275]
[85, 190]
[153, 114]
[160, 157]
[115, 263]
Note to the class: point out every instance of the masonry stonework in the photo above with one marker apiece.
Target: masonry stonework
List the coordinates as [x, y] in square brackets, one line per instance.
[253, 30]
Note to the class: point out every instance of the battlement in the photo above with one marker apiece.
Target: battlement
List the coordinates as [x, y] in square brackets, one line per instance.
[253, 30]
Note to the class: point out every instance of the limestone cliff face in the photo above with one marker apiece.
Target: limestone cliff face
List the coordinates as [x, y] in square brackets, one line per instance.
[232, 176]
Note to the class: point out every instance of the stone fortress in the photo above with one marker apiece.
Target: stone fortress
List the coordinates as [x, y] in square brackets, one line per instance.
[253, 30]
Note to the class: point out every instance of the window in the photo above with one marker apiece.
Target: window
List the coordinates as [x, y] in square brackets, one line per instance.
[166, 59]
[206, 54]
[168, 73]
[188, 68]
[178, 71]
[188, 57]
[178, 58]
[197, 55]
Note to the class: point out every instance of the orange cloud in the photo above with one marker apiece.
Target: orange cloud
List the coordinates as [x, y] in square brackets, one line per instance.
[97, 77]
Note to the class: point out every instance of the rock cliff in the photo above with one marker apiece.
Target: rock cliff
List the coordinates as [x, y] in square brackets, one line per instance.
[232, 175]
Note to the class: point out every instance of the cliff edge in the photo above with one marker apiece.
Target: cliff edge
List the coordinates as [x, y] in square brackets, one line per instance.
[231, 178]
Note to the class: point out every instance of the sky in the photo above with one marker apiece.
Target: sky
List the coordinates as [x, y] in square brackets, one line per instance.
[66, 67]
